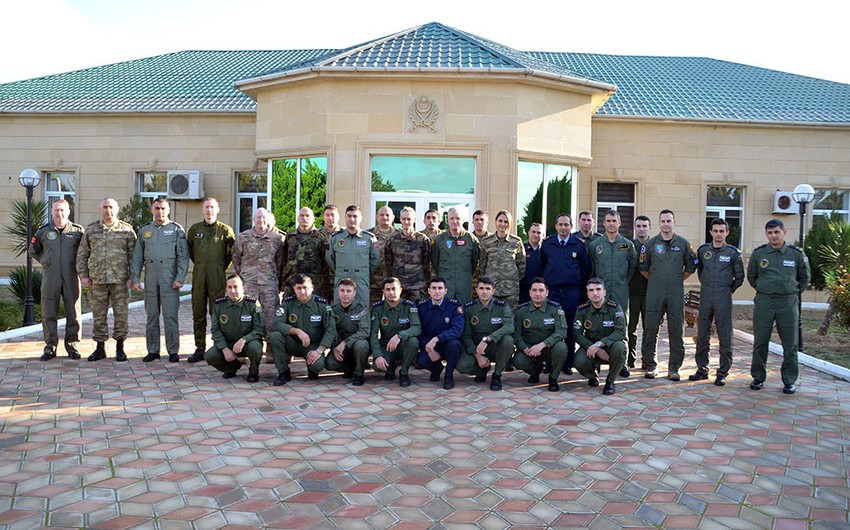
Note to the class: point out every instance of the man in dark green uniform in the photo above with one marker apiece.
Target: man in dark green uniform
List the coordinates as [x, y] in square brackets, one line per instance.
[238, 328]
[354, 253]
[779, 273]
[303, 327]
[637, 292]
[162, 251]
[55, 245]
[394, 335]
[210, 245]
[721, 272]
[666, 260]
[454, 257]
[600, 331]
[487, 335]
[614, 262]
[350, 351]
[540, 328]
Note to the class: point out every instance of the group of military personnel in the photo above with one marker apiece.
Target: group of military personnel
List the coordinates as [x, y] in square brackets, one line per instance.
[453, 300]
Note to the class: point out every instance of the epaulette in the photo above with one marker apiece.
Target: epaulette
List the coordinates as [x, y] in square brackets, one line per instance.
[78, 226]
[584, 305]
[612, 304]
[795, 247]
[320, 299]
[703, 245]
[290, 298]
[379, 302]
[551, 302]
[178, 225]
[250, 299]
[420, 302]
[408, 302]
[523, 304]
[470, 304]
[368, 232]
[45, 225]
[760, 246]
[454, 301]
[498, 301]
[338, 231]
[221, 299]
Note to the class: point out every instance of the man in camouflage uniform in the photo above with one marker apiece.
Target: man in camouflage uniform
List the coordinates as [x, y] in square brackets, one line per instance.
[330, 216]
[487, 335]
[432, 224]
[502, 258]
[383, 231]
[779, 273]
[407, 256]
[354, 253]
[614, 262]
[162, 252]
[666, 261]
[103, 263]
[600, 331]
[394, 336]
[350, 351]
[454, 257]
[721, 272]
[210, 246]
[305, 249]
[303, 327]
[258, 258]
[480, 223]
[55, 245]
[238, 327]
[540, 328]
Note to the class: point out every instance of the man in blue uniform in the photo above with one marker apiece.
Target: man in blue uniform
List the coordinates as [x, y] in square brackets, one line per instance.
[442, 328]
[565, 266]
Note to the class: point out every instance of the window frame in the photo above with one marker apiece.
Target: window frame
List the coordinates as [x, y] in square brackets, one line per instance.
[844, 212]
[722, 212]
[254, 196]
[52, 195]
[603, 206]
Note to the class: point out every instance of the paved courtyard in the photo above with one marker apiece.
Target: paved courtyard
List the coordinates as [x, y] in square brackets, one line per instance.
[129, 445]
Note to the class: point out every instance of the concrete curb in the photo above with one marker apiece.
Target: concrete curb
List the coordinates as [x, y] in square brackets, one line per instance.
[834, 370]
[21, 332]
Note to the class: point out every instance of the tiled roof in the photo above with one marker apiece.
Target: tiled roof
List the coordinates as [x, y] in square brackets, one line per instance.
[197, 81]
[654, 87]
[708, 89]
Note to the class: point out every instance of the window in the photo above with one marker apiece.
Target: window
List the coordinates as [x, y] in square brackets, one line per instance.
[298, 183]
[60, 185]
[252, 192]
[620, 198]
[727, 203]
[152, 185]
[832, 203]
[537, 203]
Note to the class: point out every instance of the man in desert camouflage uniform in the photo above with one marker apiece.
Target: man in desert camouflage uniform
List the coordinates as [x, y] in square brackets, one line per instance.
[258, 258]
[305, 249]
[383, 231]
[407, 256]
[103, 263]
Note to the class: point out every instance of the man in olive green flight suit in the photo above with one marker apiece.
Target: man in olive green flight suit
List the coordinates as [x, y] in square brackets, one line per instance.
[354, 253]
[454, 256]
[103, 262]
[487, 335]
[779, 273]
[666, 261]
[162, 251]
[55, 245]
[394, 336]
[600, 331]
[540, 328]
[210, 245]
[238, 328]
[303, 327]
[350, 351]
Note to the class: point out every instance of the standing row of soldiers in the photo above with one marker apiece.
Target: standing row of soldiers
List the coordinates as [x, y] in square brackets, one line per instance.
[648, 283]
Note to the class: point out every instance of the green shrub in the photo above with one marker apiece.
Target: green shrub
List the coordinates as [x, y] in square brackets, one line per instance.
[12, 315]
[18, 284]
[819, 235]
[838, 285]
[137, 212]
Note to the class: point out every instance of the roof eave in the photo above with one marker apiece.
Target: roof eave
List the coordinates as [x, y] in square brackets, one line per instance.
[714, 121]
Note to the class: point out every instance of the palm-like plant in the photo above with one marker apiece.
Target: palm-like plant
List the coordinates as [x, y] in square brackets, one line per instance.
[833, 255]
[18, 229]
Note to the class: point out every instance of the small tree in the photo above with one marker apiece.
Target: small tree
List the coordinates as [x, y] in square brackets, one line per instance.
[834, 253]
[18, 229]
[137, 212]
[838, 284]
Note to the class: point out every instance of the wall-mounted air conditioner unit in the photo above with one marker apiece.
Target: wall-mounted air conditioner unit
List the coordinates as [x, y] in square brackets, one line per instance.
[185, 184]
[783, 202]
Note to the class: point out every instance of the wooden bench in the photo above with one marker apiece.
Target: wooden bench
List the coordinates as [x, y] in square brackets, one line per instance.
[691, 308]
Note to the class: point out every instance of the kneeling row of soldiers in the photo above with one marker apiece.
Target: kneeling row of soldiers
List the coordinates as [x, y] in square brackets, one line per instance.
[400, 334]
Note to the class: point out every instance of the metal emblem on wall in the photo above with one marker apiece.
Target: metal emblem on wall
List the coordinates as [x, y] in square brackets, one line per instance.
[423, 114]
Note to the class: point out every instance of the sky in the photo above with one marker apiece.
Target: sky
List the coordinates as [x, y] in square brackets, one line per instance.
[42, 37]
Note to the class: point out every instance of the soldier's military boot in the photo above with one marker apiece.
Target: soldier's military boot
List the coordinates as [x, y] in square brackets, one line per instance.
[495, 382]
[196, 357]
[120, 356]
[49, 353]
[98, 353]
[73, 352]
[150, 357]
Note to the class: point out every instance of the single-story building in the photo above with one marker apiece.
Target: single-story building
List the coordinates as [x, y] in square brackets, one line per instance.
[433, 117]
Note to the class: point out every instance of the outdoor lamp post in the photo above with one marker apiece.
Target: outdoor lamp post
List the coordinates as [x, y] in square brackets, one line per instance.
[803, 194]
[29, 178]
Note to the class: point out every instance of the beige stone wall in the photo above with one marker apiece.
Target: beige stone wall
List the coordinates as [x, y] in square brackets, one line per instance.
[350, 119]
[673, 162]
[105, 151]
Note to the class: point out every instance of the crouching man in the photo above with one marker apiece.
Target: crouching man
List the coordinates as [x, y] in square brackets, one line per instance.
[600, 331]
[238, 327]
[487, 335]
[394, 335]
[540, 328]
[303, 327]
[350, 351]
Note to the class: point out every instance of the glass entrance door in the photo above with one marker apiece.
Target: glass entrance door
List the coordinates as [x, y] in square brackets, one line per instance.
[465, 203]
